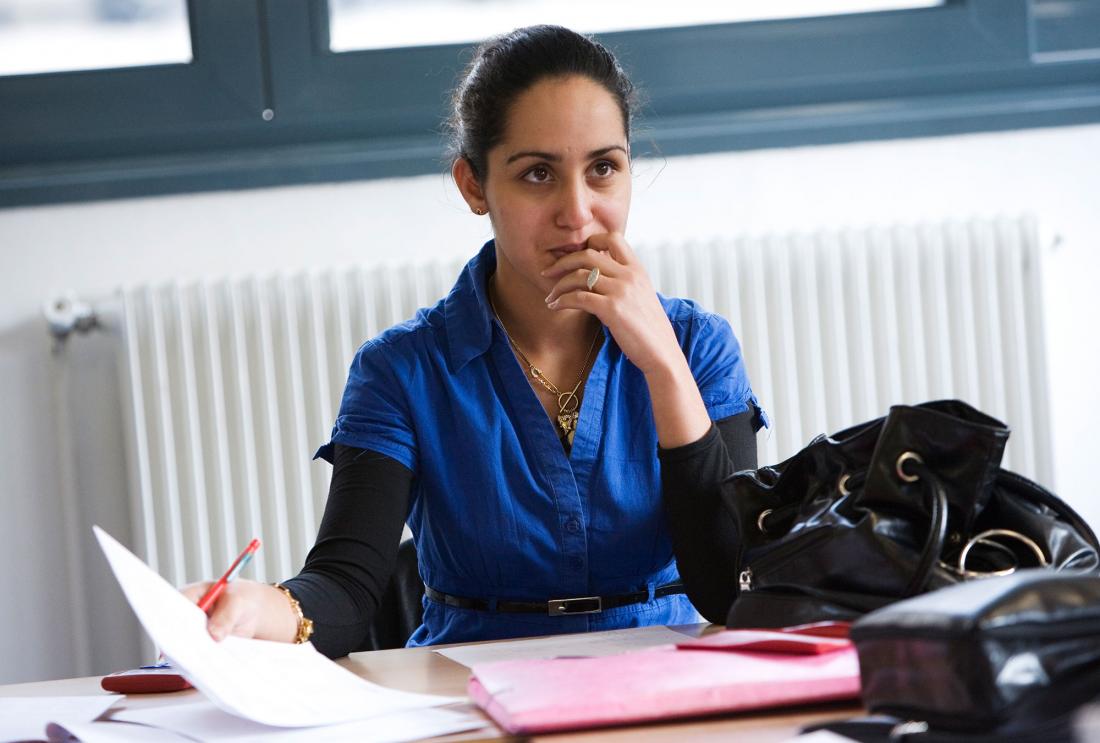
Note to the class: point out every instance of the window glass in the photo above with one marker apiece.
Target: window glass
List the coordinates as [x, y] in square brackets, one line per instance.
[1065, 30]
[378, 24]
[65, 35]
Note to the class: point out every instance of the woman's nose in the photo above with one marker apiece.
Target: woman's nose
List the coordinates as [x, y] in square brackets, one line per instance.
[575, 207]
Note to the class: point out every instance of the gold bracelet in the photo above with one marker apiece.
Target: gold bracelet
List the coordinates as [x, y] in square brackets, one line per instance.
[305, 626]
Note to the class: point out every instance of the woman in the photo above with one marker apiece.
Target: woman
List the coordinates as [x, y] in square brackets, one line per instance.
[520, 424]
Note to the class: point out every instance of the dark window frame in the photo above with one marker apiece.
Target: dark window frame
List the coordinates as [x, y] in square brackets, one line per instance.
[966, 66]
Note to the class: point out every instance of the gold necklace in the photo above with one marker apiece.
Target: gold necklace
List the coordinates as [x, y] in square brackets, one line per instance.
[568, 402]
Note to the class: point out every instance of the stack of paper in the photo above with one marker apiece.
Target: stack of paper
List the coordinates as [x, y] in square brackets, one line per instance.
[267, 684]
[202, 721]
[25, 718]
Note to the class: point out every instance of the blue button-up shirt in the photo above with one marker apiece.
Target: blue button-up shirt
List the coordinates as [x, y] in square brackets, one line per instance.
[498, 510]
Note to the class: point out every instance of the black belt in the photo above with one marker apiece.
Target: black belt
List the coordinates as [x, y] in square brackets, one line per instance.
[555, 607]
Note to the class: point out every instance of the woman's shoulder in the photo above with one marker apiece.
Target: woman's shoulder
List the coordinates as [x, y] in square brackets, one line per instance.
[687, 314]
[706, 337]
[417, 337]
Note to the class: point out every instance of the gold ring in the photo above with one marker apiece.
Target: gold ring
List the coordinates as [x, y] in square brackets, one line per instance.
[593, 277]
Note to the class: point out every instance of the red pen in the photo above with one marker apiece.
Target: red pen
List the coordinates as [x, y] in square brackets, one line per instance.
[215, 590]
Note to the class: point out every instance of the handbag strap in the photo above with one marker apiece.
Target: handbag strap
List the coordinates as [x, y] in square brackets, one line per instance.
[936, 497]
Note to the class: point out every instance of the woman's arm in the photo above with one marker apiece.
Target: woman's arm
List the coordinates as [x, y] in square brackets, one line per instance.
[349, 567]
[346, 572]
[704, 536]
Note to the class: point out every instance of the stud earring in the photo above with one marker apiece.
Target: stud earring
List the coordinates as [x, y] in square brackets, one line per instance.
[479, 211]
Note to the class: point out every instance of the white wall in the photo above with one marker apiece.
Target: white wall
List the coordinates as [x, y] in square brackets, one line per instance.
[57, 583]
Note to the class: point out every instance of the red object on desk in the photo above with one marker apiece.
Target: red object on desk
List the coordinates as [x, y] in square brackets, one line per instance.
[769, 641]
[539, 696]
[151, 680]
[832, 628]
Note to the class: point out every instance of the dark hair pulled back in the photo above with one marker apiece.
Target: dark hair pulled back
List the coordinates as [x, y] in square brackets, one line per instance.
[506, 66]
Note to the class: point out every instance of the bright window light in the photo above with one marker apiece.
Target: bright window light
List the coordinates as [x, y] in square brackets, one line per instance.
[65, 35]
[381, 24]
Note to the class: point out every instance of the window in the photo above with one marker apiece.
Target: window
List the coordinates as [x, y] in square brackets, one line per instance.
[62, 35]
[265, 100]
[382, 24]
[1066, 30]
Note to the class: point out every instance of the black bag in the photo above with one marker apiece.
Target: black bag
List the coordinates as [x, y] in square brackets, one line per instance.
[1010, 658]
[890, 509]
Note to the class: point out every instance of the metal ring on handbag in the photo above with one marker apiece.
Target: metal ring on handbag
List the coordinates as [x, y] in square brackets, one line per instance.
[842, 484]
[1003, 548]
[903, 730]
[905, 457]
[984, 538]
[760, 520]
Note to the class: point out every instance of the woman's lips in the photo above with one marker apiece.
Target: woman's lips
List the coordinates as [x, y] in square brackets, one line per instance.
[563, 250]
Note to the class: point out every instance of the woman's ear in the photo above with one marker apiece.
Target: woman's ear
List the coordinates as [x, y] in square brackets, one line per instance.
[469, 186]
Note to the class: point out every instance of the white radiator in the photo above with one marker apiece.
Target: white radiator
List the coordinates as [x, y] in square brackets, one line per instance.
[234, 382]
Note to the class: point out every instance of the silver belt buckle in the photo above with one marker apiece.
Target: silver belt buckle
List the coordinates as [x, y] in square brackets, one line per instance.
[583, 605]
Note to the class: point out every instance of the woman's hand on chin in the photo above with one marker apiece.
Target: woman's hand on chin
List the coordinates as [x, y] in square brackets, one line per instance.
[622, 297]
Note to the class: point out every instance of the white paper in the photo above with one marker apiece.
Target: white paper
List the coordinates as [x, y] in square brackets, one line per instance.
[203, 721]
[110, 732]
[25, 718]
[273, 683]
[582, 644]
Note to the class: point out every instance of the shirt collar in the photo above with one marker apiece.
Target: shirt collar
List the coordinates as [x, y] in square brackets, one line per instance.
[466, 310]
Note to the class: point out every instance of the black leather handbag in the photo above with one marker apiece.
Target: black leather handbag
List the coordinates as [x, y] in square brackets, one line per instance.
[905, 504]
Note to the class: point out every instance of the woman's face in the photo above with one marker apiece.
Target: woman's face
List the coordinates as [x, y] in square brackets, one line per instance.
[560, 174]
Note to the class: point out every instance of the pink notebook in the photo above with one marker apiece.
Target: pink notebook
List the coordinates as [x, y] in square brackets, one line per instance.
[538, 696]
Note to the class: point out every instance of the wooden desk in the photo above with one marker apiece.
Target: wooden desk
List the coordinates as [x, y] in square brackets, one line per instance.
[422, 670]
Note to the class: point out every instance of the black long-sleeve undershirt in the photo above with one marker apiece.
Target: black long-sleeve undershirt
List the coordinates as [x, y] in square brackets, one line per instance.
[349, 567]
[704, 536]
[346, 572]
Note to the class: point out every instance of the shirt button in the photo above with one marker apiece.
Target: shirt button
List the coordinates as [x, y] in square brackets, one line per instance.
[573, 526]
[576, 563]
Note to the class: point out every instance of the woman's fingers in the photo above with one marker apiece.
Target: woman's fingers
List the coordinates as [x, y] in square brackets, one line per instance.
[233, 613]
[622, 297]
[229, 616]
[590, 302]
[222, 617]
[578, 280]
[195, 591]
[586, 259]
[614, 244]
[609, 252]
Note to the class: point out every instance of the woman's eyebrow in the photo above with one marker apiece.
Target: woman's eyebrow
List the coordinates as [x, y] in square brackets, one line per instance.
[533, 153]
[605, 150]
[551, 157]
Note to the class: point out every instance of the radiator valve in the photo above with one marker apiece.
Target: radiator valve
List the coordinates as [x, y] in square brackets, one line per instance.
[66, 314]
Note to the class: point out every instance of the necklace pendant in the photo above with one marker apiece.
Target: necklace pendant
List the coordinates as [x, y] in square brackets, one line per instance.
[568, 424]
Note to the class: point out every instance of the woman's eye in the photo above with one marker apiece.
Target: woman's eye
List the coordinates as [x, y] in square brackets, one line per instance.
[537, 174]
[603, 169]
